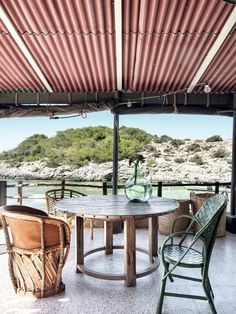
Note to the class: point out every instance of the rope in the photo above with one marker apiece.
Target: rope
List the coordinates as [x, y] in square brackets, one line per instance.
[174, 105]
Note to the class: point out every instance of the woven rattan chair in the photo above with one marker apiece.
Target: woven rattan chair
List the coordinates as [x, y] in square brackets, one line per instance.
[185, 254]
[38, 247]
[53, 196]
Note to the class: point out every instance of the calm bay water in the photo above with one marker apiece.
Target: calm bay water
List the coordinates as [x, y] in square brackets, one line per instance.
[36, 193]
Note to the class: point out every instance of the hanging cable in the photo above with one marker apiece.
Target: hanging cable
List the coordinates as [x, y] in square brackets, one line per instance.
[131, 101]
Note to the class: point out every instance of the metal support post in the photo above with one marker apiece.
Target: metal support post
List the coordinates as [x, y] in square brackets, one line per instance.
[231, 218]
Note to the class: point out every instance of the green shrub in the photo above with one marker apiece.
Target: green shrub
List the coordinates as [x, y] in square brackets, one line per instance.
[179, 160]
[214, 138]
[176, 142]
[197, 160]
[156, 153]
[150, 148]
[151, 162]
[162, 139]
[194, 147]
[220, 153]
[168, 150]
[206, 147]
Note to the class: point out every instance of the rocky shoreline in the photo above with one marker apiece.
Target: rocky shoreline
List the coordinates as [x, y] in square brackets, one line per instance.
[162, 163]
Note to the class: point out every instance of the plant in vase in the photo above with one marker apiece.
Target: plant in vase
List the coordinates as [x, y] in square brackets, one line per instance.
[138, 188]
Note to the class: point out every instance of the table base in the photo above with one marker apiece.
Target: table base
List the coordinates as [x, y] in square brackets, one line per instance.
[85, 270]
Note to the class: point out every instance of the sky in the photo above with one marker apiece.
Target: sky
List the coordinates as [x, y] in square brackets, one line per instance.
[15, 130]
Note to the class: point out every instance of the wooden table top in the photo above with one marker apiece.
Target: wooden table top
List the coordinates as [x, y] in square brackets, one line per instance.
[116, 206]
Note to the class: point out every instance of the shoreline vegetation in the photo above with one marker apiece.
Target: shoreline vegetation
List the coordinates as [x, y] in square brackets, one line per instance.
[86, 155]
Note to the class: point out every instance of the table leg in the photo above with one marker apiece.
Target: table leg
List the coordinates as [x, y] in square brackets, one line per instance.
[130, 252]
[153, 240]
[79, 242]
[108, 237]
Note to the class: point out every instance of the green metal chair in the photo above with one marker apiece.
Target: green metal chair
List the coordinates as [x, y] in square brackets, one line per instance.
[184, 252]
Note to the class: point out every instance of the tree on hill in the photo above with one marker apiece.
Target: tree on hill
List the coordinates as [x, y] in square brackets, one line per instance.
[79, 146]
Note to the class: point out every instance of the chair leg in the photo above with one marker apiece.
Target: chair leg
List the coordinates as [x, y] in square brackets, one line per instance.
[210, 288]
[208, 292]
[162, 291]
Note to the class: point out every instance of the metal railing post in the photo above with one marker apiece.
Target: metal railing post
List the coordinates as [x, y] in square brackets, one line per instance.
[3, 193]
[19, 192]
[159, 189]
[104, 188]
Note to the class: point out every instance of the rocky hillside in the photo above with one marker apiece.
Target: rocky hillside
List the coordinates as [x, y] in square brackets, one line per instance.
[167, 160]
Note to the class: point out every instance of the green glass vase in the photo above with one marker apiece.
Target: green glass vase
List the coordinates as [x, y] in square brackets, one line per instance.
[138, 188]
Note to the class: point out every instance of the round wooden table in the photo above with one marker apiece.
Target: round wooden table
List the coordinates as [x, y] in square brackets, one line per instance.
[118, 208]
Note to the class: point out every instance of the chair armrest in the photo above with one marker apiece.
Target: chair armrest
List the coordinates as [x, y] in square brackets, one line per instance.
[190, 217]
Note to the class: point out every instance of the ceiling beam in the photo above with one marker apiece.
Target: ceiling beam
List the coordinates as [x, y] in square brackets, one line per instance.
[24, 49]
[118, 32]
[31, 104]
[214, 49]
[126, 99]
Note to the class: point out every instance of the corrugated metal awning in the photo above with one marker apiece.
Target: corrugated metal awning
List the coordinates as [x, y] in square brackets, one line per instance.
[73, 44]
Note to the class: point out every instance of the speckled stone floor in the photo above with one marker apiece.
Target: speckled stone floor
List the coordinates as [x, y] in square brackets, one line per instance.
[86, 295]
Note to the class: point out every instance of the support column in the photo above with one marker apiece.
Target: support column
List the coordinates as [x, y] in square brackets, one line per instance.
[117, 225]
[115, 154]
[231, 218]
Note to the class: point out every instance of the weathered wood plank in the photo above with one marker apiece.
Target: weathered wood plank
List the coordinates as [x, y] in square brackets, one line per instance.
[117, 206]
[153, 240]
[79, 241]
[108, 237]
[130, 252]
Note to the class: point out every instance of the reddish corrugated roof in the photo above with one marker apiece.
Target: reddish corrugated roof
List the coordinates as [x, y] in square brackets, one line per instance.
[166, 41]
[73, 42]
[221, 74]
[15, 71]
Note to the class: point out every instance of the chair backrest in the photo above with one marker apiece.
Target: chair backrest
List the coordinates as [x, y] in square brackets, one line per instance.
[24, 210]
[33, 231]
[209, 216]
[209, 210]
[58, 194]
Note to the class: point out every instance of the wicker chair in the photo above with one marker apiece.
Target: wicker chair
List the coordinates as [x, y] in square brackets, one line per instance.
[186, 255]
[37, 252]
[53, 196]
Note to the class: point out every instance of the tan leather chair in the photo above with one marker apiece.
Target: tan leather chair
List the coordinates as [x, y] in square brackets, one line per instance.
[3, 248]
[38, 247]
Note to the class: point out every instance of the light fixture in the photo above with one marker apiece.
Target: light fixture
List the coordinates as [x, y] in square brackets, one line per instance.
[230, 1]
[82, 115]
[207, 88]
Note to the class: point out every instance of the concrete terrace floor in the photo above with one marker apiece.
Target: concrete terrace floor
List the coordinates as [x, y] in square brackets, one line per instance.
[86, 295]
